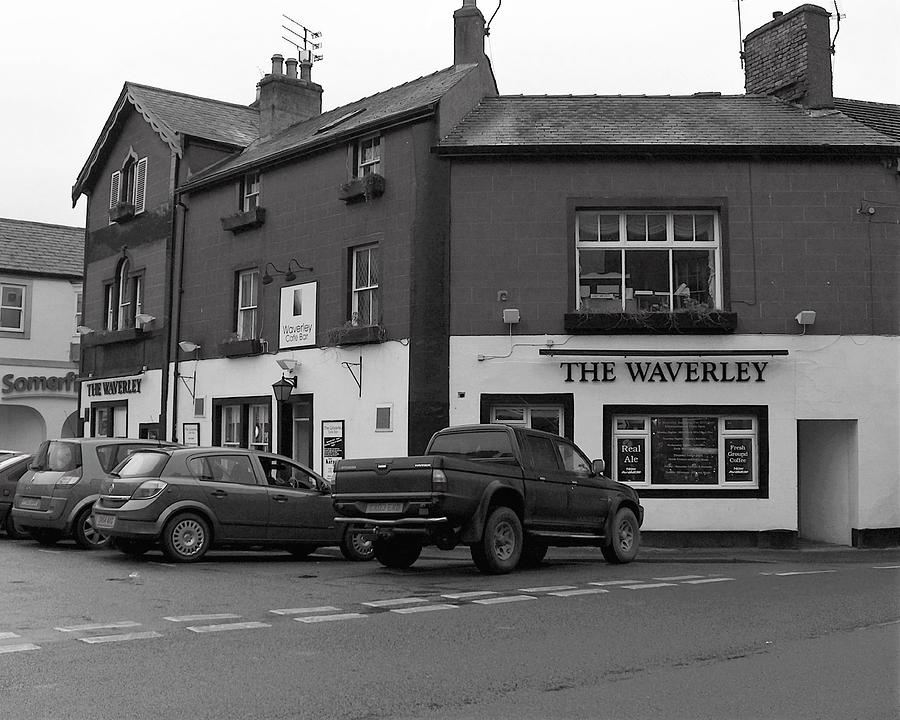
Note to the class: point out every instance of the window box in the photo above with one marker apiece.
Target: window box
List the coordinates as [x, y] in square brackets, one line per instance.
[121, 212]
[242, 348]
[239, 222]
[107, 337]
[711, 322]
[356, 335]
[362, 188]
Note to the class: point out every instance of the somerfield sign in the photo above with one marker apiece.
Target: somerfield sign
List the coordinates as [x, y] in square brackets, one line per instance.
[690, 371]
[13, 384]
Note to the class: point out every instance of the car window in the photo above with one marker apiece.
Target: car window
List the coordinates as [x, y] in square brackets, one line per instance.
[572, 460]
[143, 464]
[58, 456]
[223, 468]
[281, 473]
[474, 445]
[541, 453]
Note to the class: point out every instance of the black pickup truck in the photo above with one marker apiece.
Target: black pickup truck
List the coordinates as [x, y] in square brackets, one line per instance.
[506, 492]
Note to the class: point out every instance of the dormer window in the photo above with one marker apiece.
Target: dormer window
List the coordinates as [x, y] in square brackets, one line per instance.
[367, 157]
[249, 191]
[128, 189]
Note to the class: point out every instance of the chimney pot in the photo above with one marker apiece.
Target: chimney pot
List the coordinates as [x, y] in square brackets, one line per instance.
[277, 61]
[291, 67]
[468, 34]
[777, 14]
[306, 71]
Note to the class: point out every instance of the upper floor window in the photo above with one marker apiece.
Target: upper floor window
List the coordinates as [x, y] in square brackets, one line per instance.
[129, 185]
[12, 307]
[654, 260]
[79, 306]
[249, 191]
[124, 297]
[247, 322]
[367, 156]
[365, 306]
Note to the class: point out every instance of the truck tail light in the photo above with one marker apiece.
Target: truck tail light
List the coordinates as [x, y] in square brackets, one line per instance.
[438, 480]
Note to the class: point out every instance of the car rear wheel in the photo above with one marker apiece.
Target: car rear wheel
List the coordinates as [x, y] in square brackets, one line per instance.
[186, 538]
[500, 546]
[46, 536]
[358, 545]
[86, 534]
[398, 553]
[12, 529]
[625, 537]
[532, 553]
[135, 548]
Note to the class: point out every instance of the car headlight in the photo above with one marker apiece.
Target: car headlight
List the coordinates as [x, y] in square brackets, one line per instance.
[149, 489]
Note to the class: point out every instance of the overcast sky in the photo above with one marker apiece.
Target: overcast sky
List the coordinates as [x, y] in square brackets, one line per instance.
[63, 64]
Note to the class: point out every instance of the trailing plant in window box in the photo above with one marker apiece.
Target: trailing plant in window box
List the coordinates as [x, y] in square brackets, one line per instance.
[696, 320]
[239, 222]
[234, 346]
[362, 188]
[350, 334]
[121, 212]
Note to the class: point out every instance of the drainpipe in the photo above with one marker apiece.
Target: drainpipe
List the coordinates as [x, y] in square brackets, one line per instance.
[176, 313]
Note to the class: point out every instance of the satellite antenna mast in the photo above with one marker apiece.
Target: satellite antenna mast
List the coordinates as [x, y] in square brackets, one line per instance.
[740, 35]
[304, 41]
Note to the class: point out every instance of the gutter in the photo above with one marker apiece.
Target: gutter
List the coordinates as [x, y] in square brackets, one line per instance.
[780, 151]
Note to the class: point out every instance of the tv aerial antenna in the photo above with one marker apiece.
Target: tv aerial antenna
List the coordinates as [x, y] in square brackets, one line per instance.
[304, 40]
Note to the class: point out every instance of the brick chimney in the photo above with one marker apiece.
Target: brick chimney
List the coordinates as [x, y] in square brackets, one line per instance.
[790, 57]
[468, 34]
[284, 99]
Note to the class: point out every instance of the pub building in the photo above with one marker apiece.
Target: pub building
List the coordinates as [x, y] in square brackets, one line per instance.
[702, 290]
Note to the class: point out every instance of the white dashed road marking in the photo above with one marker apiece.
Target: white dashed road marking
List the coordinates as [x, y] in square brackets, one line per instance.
[228, 626]
[394, 601]
[18, 648]
[648, 586]
[98, 626]
[329, 618]
[198, 618]
[586, 591]
[678, 578]
[97, 639]
[504, 599]
[706, 580]
[424, 608]
[467, 595]
[886, 567]
[8, 635]
[549, 589]
[614, 582]
[804, 572]
[305, 611]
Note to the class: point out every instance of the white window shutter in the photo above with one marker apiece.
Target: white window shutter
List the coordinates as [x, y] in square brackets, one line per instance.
[114, 182]
[140, 186]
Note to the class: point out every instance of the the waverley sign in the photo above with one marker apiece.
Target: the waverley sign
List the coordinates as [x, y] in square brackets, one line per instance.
[120, 386]
[668, 371]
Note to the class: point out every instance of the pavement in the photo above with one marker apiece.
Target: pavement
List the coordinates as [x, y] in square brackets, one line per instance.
[805, 552]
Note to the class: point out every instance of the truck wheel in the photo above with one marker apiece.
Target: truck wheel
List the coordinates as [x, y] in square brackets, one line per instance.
[87, 537]
[532, 554]
[186, 538]
[46, 536]
[624, 540]
[500, 546]
[393, 552]
[358, 546]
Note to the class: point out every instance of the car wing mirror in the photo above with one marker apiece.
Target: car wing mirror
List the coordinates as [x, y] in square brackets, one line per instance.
[598, 467]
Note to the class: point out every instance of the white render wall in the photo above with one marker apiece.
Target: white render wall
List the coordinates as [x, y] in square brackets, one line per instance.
[822, 377]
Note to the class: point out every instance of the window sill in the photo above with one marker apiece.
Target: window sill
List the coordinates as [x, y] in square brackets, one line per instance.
[364, 188]
[108, 337]
[716, 322]
[356, 335]
[242, 348]
[121, 212]
[242, 221]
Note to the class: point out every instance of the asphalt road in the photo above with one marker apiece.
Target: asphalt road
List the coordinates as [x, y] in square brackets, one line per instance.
[244, 635]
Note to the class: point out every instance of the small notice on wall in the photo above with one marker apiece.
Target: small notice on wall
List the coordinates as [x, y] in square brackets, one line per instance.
[332, 446]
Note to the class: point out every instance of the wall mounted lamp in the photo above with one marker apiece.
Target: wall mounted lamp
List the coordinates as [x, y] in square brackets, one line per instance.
[288, 365]
[189, 347]
[142, 320]
[289, 275]
[805, 318]
[84, 330]
[283, 388]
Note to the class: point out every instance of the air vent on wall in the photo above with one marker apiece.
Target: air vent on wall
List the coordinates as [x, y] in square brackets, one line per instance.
[199, 407]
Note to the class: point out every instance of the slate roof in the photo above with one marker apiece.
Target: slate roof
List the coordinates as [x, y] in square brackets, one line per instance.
[174, 115]
[40, 249]
[400, 102]
[703, 121]
[883, 117]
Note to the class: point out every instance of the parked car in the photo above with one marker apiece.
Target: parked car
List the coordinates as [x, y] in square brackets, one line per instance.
[12, 466]
[193, 499]
[54, 497]
[507, 492]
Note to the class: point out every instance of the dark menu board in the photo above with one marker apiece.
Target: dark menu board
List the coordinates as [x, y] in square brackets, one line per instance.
[631, 460]
[685, 450]
[738, 460]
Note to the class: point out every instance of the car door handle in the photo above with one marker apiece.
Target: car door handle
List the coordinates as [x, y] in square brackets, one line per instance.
[280, 498]
[219, 493]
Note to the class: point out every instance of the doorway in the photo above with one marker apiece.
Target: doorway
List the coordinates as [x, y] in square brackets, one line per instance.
[295, 431]
[827, 474]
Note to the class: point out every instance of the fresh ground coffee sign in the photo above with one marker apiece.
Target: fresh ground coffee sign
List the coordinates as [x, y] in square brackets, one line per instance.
[669, 371]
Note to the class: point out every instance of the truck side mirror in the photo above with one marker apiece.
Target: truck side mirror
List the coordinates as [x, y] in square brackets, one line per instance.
[598, 467]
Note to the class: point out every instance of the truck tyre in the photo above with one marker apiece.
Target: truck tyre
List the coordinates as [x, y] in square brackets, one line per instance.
[500, 546]
[186, 538]
[533, 553]
[87, 537]
[625, 536]
[357, 545]
[394, 552]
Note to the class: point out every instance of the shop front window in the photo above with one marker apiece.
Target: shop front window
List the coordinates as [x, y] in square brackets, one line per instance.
[243, 422]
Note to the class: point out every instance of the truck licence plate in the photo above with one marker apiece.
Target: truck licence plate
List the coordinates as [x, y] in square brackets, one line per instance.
[385, 507]
[104, 522]
[32, 503]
